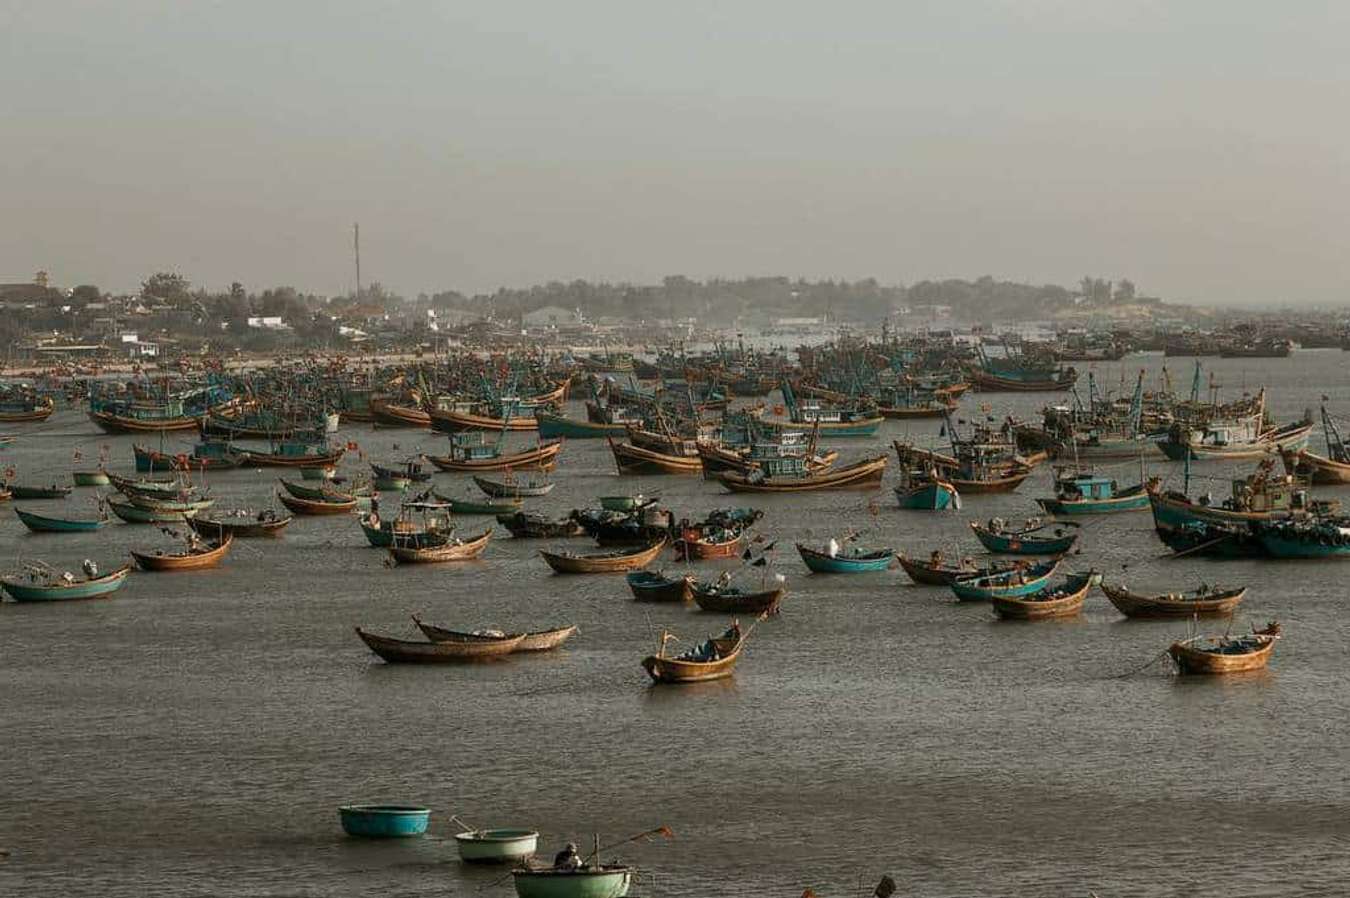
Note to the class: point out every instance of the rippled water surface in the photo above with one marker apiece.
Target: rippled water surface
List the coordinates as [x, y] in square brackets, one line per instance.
[195, 734]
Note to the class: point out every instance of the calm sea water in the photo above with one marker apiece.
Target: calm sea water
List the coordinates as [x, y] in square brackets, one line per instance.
[195, 734]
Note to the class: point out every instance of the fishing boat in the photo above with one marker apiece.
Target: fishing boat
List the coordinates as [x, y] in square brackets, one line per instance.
[1063, 600]
[851, 418]
[724, 597]
[1224, 654]
[923, 489]
[328, 491]
[30, 493]
[26, 408]
[513, 486]
[595, 881]
[935, 571]
[411, 471]
[626, 503]
[141, 421]
[1203, 602]
[1019, 581]
[712, 659]
[603, 562]
[480, 506]
[553, 426]
[43, 584]
[657, 586]
[384, 821]
[193, 557]
[1034, 538]
[1332, 468]
[318, 472]
[523, 525]
[1020, 374]
[403, 651]
[985, 461]
[468, 455]
[863, 474]
[496, 846]
[435, 553]
[390, 414]
[534, 641]
[44, 524]
[1234, 442]
[311, 507]
[1319, 536]
[128, 486]
[1087, 493]
[97, 477]
[846, 560]
[185, 501]
[417, 525]
[477, 416]
[265, 524]
[136, 514]
[294, 455]
[632, 459]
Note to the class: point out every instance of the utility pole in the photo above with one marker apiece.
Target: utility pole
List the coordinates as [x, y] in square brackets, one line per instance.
[356, 245]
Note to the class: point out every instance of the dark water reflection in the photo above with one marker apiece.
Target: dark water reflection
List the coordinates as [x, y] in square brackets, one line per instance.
[194, 735]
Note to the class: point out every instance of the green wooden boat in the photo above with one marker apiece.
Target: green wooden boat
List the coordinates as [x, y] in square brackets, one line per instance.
[42, 524]
[91, 478]
[392, 484]
[551, 426]
[31, 589]
[626, 503]
[136, 514]
[38, 492]
[318, 472]
[483, 506]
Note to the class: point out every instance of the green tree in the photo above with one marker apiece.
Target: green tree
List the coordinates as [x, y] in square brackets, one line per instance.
[166, 286]
[85, 294]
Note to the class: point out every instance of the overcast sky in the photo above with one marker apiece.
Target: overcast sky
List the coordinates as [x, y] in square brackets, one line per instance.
[1199, 148]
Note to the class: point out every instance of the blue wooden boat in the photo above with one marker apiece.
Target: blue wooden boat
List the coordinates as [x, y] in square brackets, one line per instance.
[1021, 581]
[1086, 493]
[849, 560]
[656, 586]
[384, 821]
[42, 524]
[53, 588]
[932, 494]
[1322, 537]
[1054, 538]
[552, 426]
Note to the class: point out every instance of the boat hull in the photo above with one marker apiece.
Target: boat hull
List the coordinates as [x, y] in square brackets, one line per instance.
[88, 589]
[580, 884]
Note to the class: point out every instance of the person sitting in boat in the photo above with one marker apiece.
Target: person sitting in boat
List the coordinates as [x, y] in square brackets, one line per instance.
[567, 859]
[936, 558]
[90, 569]
[996, 525]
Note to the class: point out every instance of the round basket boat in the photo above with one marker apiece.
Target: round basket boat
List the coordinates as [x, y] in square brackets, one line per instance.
[384, 821]
[496, 846]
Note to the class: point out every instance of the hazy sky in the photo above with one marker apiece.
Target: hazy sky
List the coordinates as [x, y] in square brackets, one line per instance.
[1197, 147]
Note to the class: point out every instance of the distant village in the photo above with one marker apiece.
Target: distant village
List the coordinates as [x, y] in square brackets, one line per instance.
[48, 323]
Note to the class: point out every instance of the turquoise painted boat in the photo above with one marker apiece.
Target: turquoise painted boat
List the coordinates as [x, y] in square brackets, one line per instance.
[1091, 494]
[54, 589]
[1022, 581]
[42, 524]
[552, 426]
[609, 881]
[935, 495]
[384, 821]
[851, 560]
[135, 514]
[1054, 538]
[625, 503]
[1319, 538]
[484, 506]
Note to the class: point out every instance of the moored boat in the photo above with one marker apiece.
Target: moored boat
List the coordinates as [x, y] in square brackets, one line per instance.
[632, 459]
[97, 477]
[513, 486]
[533, 641]
[597, 881]
[42, 584]
[616, 562]
[724, 598]
[1021, 580]
[384, 821]
[656, 586]
[247, 525]
[45, 524]
[863, 474]
[496, 846]
[1035, 538]
[1062, 600]
[310, 507]
[403, 651]
[1224, 654]
[1086, 493]
[1203, 602]
[523, 525]
[712, 659]
[451, 549]
[137, 514]
[195, 556]
[846, 560]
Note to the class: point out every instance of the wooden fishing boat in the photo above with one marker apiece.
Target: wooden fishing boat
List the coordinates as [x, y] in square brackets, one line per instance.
[390, 414]
[115, 423]
[191, 558]
[410, 471]
[534, 641]
[56, 588]
[264, 525]
[632, 459]
[97, 477]
[1064, 600]
[626, 503]
[1054, 538]
[1223, 654]
[523, 525]
[987, 382]
[477, 506]
[496, 846]
[1086, 493]
[145, 487]
[603, 562]
[553, 425]
[514, 487]
[403, 651]
[318, 472]
[326, 492]
[935, 571]
[452, 420]
[595, 881]
[297, 456]
[1019, 581]
[655, 586]
[849, 560]
[392, 484]
[927, 493]
[316, 506]
[44, 524]
[27, 410]
[724, 598]
[186, 501]
[975, 475]
[204, 457]
[543, 457]
[713, 659]
[450, 550]
[30, 493]
[1204, 602]
[1322, 536]
[694, 545]
[136, 514]
[1315, 468]
[864, 474]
